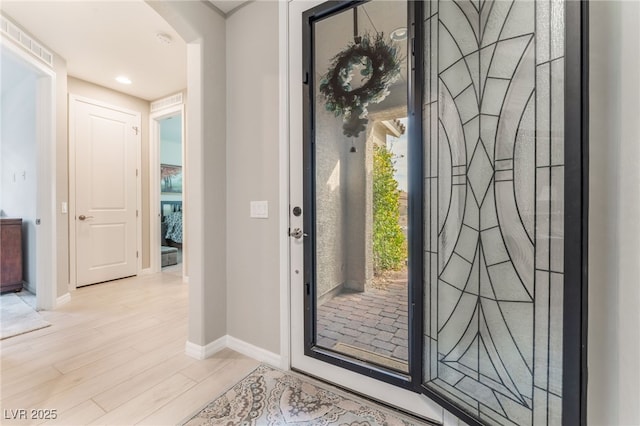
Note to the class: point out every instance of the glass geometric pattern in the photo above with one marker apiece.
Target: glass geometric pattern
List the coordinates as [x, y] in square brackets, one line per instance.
[494, 191]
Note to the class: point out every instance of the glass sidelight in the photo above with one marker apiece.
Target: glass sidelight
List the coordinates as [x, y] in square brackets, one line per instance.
[494, 170]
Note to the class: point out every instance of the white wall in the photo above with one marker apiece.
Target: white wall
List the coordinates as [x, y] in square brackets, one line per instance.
[19, 156]
[253, 290]
[614, 212]
[62, 175]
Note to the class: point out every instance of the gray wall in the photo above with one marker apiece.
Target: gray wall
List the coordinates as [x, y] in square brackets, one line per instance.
[19, 156]
[341, 206]
[614, 228]
[203, 28]
[331, 179]
[253, 263]
[340, 180]
[356, 212]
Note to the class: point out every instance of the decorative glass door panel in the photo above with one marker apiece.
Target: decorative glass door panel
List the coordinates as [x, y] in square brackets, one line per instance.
[493, 125]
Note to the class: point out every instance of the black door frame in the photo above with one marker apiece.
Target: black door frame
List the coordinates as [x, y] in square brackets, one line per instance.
[396, 378]
[574, 395]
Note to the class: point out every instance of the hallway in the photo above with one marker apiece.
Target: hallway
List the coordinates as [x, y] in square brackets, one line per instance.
[115, 355]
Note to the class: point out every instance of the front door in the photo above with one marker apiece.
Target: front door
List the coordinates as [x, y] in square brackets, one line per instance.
[106, 145]
[487, 320]
[351, 296]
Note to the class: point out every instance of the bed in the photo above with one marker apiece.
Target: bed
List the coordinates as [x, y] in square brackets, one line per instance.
[171, 228]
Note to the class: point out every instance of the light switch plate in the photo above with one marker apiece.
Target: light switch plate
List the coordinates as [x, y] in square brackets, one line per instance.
[259, 209]
[64, 208]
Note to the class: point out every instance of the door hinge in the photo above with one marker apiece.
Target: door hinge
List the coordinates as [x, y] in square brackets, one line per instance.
[136, 254]
[413, 53]
[136, 129]
[136, 213]
[136, 172]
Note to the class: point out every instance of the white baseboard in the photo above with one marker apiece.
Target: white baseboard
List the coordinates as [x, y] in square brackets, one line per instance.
[254, 352]
[203, 352]
[145, 271]
[185, 279]
[63, 299]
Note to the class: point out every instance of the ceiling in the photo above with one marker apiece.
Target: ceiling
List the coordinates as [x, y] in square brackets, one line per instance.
[227, 6]
[104, 39]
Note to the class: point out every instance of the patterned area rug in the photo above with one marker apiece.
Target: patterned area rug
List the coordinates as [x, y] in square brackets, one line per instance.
[272, 397]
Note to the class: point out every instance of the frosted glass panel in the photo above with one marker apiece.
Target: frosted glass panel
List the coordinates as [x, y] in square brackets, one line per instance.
[494, 207]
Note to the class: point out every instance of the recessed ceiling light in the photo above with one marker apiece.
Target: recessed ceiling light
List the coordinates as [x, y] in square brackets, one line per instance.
[122, 79]
[399, 34]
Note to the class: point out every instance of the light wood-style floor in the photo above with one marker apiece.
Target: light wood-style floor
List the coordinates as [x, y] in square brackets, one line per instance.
[114, 355]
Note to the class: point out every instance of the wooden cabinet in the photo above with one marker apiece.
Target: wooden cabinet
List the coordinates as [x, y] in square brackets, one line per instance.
[10, 255]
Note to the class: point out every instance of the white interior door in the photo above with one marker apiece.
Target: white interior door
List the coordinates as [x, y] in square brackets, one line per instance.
[106, 145]
[360, 383]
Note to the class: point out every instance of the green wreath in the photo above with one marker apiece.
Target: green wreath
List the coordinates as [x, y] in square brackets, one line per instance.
[380, 62]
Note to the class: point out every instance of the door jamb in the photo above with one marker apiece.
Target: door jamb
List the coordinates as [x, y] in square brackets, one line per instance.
[284, 210]
[154, 182]
[73, 98]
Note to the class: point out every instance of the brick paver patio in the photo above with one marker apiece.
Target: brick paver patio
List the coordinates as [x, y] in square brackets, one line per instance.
[374, 320]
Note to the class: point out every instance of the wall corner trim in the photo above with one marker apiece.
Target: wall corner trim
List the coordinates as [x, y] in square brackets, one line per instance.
[204, 352]
[65, 298]
[254, 352]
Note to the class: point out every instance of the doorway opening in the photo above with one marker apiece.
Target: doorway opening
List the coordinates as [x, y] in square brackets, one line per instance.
[27, 194]
[168, 183]
[171, 183]
[370, 321]
[360, 191]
